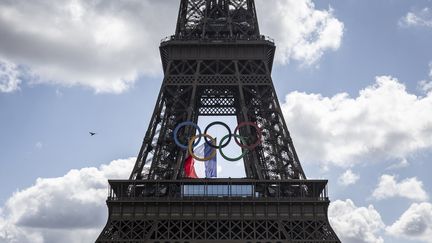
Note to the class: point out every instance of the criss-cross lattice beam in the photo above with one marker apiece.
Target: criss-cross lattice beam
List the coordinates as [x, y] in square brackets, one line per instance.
[217, 19]
[300, 231]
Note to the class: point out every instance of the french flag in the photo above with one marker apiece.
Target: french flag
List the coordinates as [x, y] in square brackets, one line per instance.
[201, 151]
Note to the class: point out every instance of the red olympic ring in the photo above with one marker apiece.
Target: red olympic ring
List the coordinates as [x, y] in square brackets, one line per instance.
[259, 137]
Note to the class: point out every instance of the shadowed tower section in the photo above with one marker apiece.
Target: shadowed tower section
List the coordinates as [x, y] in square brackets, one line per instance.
[218, 64]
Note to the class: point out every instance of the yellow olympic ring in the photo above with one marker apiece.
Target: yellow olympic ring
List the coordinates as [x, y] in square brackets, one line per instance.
[190, 149]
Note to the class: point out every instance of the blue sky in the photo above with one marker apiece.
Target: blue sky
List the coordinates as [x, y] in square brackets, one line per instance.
[95, 67]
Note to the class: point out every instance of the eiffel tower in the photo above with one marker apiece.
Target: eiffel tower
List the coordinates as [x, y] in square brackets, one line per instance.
[218, 64]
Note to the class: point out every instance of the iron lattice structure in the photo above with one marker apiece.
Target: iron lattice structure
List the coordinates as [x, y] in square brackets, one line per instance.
[218, 64]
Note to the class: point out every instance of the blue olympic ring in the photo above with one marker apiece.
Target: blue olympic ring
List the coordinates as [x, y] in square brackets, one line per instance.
[177, 129]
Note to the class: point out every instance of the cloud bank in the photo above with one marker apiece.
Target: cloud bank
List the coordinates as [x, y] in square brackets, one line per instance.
[107, 45]
[103, 45]
[348, 178]
[383, 122]
[9, 77]
[65, 209]
[414, 224]
[410, 188]
[355, 224]
[426, 85]
[302, 32]
[419, 18]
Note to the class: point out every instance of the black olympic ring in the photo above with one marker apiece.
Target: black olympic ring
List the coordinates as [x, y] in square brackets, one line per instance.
[222, 145]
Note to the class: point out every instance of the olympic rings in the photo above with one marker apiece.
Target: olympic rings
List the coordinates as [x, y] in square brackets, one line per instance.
[191, 152]
[259, 133]
[235, 159]
[177, 129]
[220, 145]
[240, 140]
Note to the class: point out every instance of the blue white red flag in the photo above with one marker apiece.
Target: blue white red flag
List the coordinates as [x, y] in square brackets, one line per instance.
[189, 167]
[202, 151]
[210, 165]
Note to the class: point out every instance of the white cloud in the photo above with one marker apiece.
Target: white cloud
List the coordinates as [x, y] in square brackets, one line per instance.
[10, 233]
[39, 145]
[107, 45]
[104, 45]
[426, 85]
[410, 188]
[384, 122]
[9, 76]
[301, 31]
[414, 224]
[348, 178]
[421, 17]
[403, 163]
[65, 209]
[58, 93]
[355, 224]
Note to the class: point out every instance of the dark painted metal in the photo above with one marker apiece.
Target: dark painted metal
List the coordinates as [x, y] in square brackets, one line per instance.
[218, 64]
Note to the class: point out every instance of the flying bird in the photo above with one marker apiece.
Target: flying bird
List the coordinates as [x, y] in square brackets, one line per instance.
[92, 134]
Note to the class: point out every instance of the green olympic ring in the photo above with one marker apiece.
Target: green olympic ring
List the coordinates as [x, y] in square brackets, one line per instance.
[245, 151]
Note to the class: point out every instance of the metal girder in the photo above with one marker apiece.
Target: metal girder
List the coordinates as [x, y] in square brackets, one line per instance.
[243, 88]
[293, 231]
[217, 19]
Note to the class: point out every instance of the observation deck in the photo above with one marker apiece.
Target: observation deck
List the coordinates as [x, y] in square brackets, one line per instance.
[219, 210]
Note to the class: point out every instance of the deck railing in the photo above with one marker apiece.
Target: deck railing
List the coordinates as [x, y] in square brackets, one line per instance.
[218, 39]
[226, 189]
